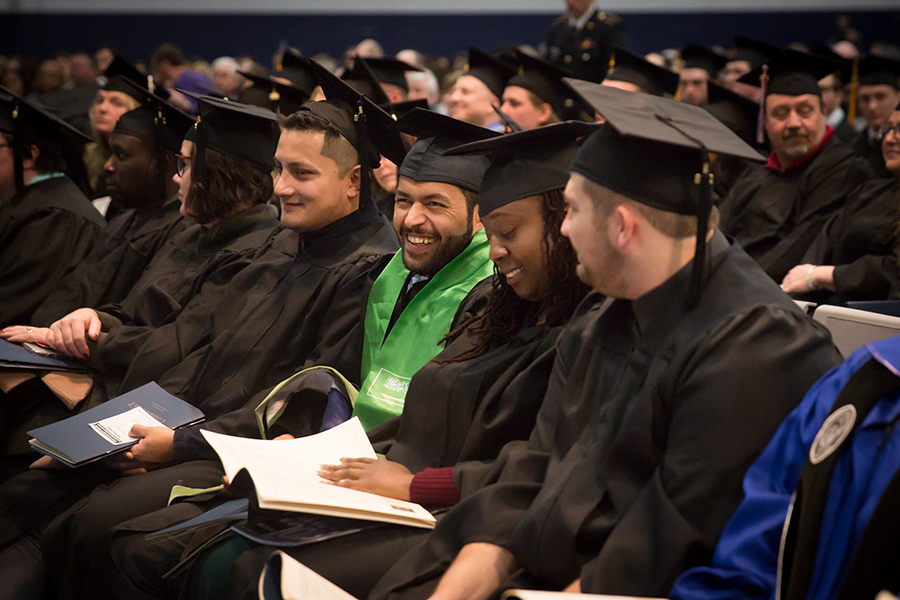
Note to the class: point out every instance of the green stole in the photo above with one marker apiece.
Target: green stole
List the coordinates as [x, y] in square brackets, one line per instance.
[388, 367]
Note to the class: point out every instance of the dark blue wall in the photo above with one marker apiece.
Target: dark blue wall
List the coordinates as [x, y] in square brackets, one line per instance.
[210, 36]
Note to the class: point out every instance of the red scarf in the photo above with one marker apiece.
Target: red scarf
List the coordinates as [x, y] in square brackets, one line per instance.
[775, 164]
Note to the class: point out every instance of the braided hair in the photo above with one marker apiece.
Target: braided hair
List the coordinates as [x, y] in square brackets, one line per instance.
[506, 314]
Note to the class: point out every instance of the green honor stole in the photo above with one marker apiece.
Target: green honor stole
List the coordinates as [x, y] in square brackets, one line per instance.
[388, 363]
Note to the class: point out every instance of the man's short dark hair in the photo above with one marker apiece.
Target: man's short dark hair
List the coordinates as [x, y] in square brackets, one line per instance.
[336, 147]
[170, 53]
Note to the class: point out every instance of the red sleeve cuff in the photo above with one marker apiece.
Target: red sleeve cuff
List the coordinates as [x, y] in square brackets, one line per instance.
[434, 488]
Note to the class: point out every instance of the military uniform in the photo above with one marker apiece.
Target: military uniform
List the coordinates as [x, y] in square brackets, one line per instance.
[585, 52]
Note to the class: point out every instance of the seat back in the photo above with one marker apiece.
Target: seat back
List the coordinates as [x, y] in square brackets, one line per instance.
[851, 328]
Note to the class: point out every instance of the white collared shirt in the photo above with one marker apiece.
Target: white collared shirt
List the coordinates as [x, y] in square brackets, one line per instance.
[581, 21]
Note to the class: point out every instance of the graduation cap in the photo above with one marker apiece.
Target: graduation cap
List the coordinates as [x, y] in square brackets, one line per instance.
[239, 131]
[656, 152]
[698, 57]
[29, 123]
[363, 80]
[629, 67]
[845, 73]
[390, 70]
[399, 109]
[282, 97]
[753, 51]
[526, 163]
[362, 122]
[736, 112]
[118, 72]
[296, 69]
[792, 73]
[507, 121]
[879, 70]
[544, 80]
[492, 72]
[427, 159]
[155, 121]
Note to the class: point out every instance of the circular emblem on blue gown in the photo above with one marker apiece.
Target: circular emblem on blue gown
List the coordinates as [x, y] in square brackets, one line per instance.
[834, 430]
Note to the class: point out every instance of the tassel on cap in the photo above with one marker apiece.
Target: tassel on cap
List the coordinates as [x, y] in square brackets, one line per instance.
[760, 120]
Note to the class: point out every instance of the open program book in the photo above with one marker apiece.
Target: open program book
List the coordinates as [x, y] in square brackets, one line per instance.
[284, 474]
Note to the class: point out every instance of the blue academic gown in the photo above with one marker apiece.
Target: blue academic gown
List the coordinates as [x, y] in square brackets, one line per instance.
[745, 563]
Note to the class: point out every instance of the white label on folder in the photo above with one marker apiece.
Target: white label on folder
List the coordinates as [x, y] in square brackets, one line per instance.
[115, 429]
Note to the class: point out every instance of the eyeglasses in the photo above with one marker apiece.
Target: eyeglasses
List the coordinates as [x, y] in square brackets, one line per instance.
[181, 164]
[889, 128]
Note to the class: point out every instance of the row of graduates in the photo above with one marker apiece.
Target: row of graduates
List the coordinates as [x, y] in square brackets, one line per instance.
[634, 462]
[820, 215]
[820, 223]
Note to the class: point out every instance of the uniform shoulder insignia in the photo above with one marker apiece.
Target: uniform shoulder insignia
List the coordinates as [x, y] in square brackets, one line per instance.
[607, 17]
[561, 19]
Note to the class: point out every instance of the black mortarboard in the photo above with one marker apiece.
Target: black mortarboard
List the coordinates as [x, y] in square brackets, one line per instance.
[698, 57]
[296, 69]
[845, 73]
[492, 72]
[544, 80]
[28, 123]
[363, 80]
[390, 70]
[653, 79]
[656, 152]
[155, 121]
[283, 98]
[120, 70]
[437, 133]
[366, 126]
[792, 73]
[753, 51]
[736, 112]
[527, 163]
[242, 132]
[399, 109]
[878, 70]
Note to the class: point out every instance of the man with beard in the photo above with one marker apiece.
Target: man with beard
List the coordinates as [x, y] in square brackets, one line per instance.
[444, 253]
[648, 423]
[775, 211]
[47, 226]
[139, 177]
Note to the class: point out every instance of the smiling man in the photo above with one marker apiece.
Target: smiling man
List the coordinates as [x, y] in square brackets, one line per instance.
[775, 211]
[444, 253]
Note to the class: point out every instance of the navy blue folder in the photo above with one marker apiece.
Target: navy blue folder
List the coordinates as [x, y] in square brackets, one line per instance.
[73, 441]
[15, 356]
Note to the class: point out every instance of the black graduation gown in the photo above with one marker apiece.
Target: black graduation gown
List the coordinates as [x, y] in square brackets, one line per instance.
[844, 131]
[776, 215]
[178, 290]
[456, 414]
[119, 257]
[870, 150]
[181, 286]
[586, 52]
[46, 230]
[860, 241]
[461, 414]
[300, 303]
[651, 417]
